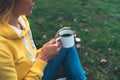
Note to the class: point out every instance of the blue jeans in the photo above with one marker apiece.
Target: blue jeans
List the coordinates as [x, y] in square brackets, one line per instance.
[71, 62]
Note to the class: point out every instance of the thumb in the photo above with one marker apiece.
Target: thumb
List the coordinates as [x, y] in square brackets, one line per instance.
[52, 41]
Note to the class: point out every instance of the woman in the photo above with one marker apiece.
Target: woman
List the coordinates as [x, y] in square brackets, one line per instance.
[19, 58]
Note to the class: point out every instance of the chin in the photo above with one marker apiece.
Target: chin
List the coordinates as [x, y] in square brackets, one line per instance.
[29, 13]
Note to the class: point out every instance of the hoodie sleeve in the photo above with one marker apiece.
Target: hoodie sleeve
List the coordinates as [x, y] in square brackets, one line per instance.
[8, 67]
[8, 71]
[36, 72]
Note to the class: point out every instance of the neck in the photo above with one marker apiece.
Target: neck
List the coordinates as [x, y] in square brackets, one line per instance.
[14, 21]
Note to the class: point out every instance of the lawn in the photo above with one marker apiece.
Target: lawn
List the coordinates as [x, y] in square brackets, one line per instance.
[96, 23]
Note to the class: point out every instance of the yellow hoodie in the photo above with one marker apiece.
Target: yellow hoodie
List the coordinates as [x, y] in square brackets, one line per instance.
[15, 63]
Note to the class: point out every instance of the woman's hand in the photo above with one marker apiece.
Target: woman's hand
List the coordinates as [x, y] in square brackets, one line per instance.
[49, 50]
[64, 28]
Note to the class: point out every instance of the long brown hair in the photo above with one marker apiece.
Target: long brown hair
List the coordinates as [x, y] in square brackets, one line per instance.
[6, 7]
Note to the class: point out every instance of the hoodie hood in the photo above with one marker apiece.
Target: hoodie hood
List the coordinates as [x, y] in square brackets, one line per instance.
[8, 32]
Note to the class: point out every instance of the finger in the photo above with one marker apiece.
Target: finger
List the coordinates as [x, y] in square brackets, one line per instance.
[59, 43]
[52, 41]
[75, 35]
[64, 28]
[59, 48]
[56, 35]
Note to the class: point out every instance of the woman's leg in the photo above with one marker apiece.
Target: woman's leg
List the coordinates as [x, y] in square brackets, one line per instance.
[72, 65]
[53, 65]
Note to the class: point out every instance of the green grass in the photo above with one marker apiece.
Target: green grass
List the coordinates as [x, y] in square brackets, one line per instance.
[96, 23]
